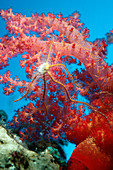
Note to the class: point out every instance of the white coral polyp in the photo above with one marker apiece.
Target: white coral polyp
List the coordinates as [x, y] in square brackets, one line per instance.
[43, 68]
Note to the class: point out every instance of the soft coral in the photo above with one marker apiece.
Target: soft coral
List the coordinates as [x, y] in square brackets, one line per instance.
[57, 93]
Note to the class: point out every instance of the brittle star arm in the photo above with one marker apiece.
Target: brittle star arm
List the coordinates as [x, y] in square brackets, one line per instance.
[67, 71]
[28, 89]
[44, 93]
[50, 50]
[93, 108]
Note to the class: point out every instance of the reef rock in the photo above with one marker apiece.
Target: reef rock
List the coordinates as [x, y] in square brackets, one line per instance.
[14, 156]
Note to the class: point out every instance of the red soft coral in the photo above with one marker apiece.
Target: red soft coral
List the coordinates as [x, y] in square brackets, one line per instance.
[51, 47]
[88, 155]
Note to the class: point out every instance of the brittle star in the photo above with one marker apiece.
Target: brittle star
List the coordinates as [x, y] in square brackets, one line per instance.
[43, 69]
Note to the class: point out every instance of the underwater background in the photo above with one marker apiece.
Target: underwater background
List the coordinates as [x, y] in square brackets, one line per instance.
[96, 15]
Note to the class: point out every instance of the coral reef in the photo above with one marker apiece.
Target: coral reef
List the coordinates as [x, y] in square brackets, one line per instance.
[60, 64]
[14, 156]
